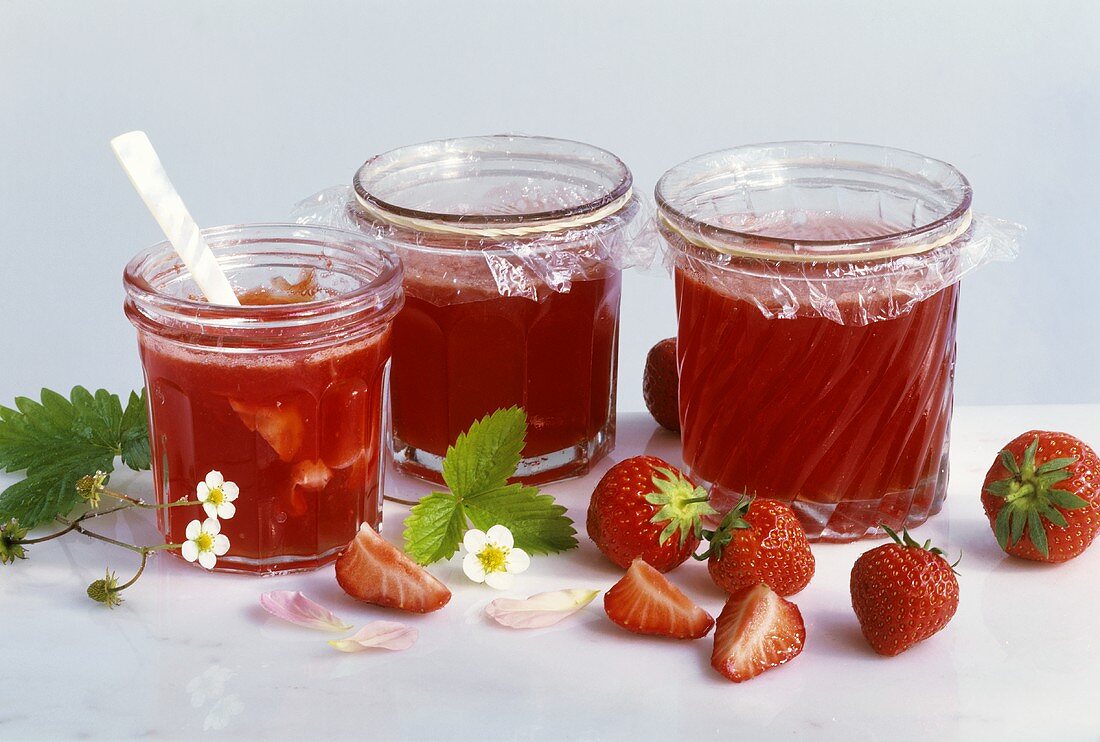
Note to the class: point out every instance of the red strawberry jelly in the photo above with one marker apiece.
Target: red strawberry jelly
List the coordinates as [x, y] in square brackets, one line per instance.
[287, 405]
[853, 419]
[455, 363]
[817, 293]
[511, 247]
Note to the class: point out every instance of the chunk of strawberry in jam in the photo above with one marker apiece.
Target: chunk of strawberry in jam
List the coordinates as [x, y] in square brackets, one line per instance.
[280, 424]
[310, 478]
[346, 422]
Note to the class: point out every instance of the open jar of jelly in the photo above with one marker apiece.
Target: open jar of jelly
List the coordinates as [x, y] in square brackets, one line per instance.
[513, 249]
[817, 297]
[282, 395]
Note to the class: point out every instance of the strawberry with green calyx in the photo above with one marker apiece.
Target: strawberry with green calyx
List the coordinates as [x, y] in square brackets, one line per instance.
[759, 541]
[645, 507]
[902, 593]
[1042, 496]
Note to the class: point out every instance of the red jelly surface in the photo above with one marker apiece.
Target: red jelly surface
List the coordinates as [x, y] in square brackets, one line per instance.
[456, 362]
[297, 431]
[850, 423]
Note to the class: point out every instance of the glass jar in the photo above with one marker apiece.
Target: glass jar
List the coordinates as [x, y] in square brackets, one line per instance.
[513, 249]
[817, 293]
[282, 395]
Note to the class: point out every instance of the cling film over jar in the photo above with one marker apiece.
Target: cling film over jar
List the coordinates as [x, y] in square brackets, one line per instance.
[512, 216]
[767, 224]
[513, 249]
[817, 289]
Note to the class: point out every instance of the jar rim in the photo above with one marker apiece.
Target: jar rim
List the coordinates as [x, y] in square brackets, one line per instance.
[540, 153]
[942, 177]
[374, 299]
[386, 281]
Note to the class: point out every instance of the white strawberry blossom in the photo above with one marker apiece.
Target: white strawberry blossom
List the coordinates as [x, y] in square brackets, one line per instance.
[205, 542]
[492, 558]
[217, 496]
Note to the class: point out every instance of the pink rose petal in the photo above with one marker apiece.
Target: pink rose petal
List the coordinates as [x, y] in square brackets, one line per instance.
[378, 635]
[298, 609]
[541, 610]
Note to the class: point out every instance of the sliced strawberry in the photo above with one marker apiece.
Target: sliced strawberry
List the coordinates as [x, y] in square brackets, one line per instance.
[757, 630]
[279, 424]
[645, 602]
[373, 570]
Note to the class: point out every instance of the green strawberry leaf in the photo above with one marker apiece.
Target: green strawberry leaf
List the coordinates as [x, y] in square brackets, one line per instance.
[57, 440]
[486, 455]
[477, 468]
[537, 523]
[434, 528]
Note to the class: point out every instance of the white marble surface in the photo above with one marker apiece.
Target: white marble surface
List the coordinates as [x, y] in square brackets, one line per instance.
[191, 653]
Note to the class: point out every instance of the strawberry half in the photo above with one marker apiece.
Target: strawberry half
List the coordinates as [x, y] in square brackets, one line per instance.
[756, 631]
[644, 507]
[902, 593]
[373, 570]
[760, 541]
[660, 384]
[1031, 517]
[645, 602]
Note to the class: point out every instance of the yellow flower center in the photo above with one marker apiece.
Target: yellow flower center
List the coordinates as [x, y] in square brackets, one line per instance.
[492, 558]
[216, 496]
[204, 541]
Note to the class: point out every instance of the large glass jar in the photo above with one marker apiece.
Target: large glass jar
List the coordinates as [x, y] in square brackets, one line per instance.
[816, 290]
[282, 395]
[513, 249]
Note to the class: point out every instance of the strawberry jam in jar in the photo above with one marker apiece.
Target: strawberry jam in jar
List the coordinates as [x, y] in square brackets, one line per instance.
[513, 250]
[817, 295]
[282, 395]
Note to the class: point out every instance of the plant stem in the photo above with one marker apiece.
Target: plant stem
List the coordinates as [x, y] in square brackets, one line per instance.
[73, 525]
[132, 580]
[142, 504]
[390, 498]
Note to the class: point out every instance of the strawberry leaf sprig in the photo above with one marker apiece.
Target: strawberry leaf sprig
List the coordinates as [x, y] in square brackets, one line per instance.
[57, 441]
[476, 469]
[66, 449]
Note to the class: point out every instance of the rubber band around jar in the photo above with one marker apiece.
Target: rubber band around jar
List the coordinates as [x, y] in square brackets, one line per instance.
[700, 240]
[430, 225]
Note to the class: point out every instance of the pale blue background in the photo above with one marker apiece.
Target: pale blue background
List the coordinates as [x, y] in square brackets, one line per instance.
[254, 105]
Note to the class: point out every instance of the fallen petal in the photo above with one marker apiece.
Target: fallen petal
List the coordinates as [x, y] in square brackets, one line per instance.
[378, 635]
[539, 611]
[298, 609]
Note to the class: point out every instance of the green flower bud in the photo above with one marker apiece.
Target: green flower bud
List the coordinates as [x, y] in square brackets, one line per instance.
[11, 536]
[106, 590]
[89, 487]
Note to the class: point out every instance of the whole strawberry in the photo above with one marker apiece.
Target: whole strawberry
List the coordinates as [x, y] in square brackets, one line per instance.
[644, 507]
[660, 384]
[760, 541]
[1042, 496]
[903, 593]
